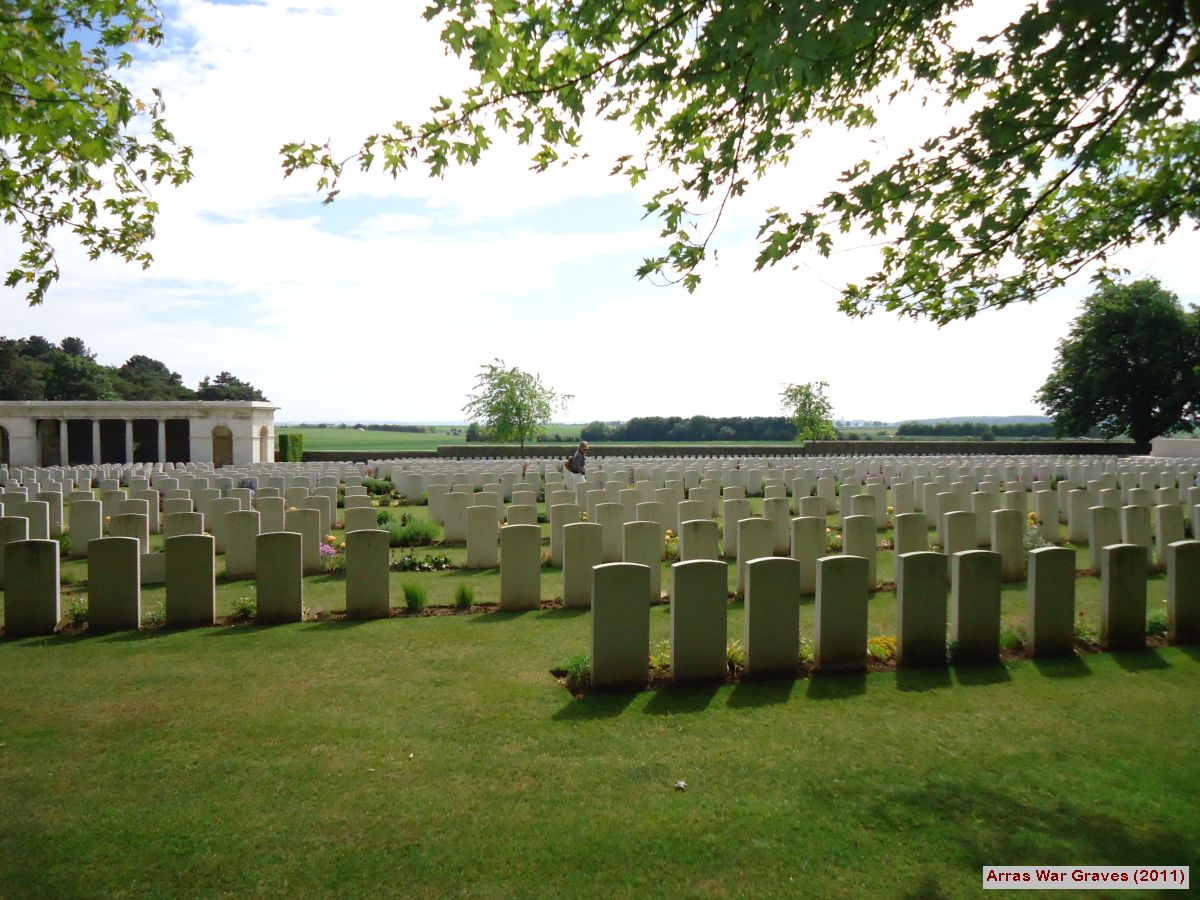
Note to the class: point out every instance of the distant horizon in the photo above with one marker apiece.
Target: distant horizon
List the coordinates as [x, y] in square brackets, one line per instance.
[848, 422]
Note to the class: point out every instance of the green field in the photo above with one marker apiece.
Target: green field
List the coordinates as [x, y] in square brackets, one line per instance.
[354, 441]
[437, 755]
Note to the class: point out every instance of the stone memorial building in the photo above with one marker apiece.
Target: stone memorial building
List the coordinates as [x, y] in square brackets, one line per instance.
[72, 433]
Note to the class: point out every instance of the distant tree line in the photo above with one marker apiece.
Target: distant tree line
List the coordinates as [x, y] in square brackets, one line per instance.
[407, 429]
[981, 430]
[477, 434]
[695, 428]
[33, 368]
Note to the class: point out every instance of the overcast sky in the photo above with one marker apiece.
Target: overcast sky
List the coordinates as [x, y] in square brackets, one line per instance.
[384, 305]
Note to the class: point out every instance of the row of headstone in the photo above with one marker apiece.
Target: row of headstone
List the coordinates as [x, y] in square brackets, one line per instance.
[620, 639]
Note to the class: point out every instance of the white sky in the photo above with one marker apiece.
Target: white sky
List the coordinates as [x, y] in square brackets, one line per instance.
[384, 305]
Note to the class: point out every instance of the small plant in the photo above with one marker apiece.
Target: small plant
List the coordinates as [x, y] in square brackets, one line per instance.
[833, 541]
[882, 648]
[1156, 625]
[383, 517]
[671, 540]
[660, 656]
[154, 618]
[244, 609]
[1084, 633]
[1012, 639]
[577, 673]
[1033, 539]
[735, 658]
[415, 597]
[464, 596]
[64, 543]
[76, 612]
[807, 655]
[410, 532]
[377, 487]
[429, 563]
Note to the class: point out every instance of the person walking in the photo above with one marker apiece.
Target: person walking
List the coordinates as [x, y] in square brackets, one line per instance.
[575, 466]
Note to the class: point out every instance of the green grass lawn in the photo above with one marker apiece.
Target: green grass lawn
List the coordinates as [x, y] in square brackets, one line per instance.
[353, 441]
[437, 755]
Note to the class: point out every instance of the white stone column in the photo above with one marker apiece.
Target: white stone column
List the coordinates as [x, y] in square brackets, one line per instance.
[95, 442]
[162, 440]
[128, 441]
[62, 442]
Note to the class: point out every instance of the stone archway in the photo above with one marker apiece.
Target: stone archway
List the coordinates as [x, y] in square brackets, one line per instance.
[264, 445]
[222, 447]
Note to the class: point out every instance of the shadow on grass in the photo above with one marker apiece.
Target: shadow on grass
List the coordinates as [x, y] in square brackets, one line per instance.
[332, 625]
[145, 634]
[1139, 660]
[677, 699]
[836, 685]
[564, 612]
[920, 680]
[992, 824]
[754, 692]
[1062, 667]
[596, 705]
[976, 674]
[240, 628]
[501, 616]
[1192, 650]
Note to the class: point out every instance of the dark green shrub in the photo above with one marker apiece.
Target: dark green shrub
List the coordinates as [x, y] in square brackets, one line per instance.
[291, 447]
[377, 487]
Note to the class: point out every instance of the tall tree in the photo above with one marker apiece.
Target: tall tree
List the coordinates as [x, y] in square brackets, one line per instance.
[78, 378]
[1130, 365]
[1065, 135]
[74, 346]
[811, 410]
[78, 152]
[512, 404]
[227, 387]
[144, 378]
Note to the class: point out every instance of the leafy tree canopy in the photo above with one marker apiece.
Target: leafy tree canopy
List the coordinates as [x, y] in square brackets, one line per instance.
[810, 410]
[144, 378]
[1130, 365]
[227, 387]
[512, 404]
[1065, 136]
[77, 378]
[77, 151]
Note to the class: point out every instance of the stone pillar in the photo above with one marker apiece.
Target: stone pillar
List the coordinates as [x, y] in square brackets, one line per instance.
[95, 442]
[162, 440]
[911, 533]
[63, 447]
[1104, 529]
[921, 609]
[840, 638]
[643, 544]
[520, 567]
[620, 625]
[755, 539]
[1008, 540]
[114, 584]
[808, 545]
[698, 539]
[699, 608]
[858, 539]
[733, 511]
[128, 441]
[1123, 597]
[771, 632]
[583, 549]
[85, 519]
[241, 547]
[307, 523]
[611, 519]
[1183, 592]
[975, 606]
[280, 582]
[367, 593]
[31, 597]
[1050, 619]
[191, 580]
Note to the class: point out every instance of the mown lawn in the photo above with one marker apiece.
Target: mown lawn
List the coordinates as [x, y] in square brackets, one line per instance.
[437, 755]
